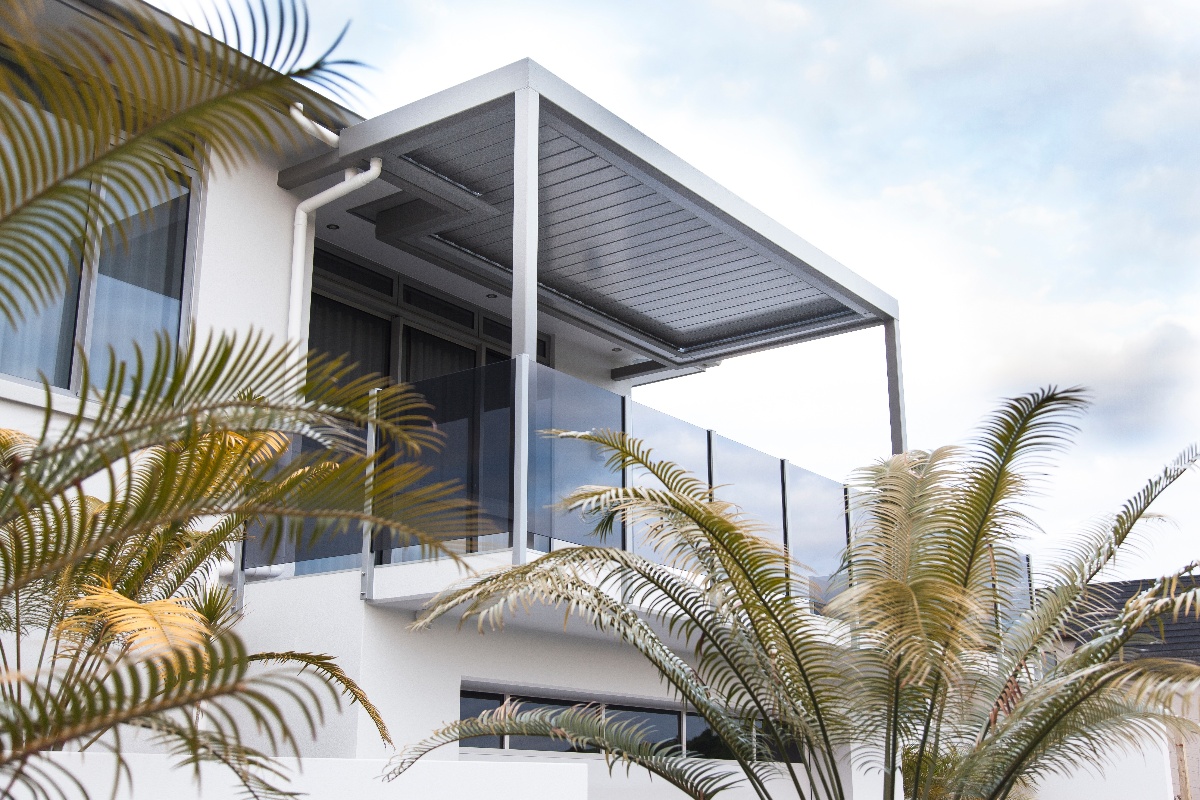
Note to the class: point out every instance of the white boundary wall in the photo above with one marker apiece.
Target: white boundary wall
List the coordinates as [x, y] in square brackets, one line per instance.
[154, 778]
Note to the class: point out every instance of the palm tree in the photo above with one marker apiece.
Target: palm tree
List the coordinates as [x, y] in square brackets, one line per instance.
[920, 656]
[116, 514]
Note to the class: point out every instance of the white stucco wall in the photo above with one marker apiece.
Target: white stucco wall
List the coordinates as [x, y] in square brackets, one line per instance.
[414, 677]
[244, 250]
[154, 778]
[1144, 775]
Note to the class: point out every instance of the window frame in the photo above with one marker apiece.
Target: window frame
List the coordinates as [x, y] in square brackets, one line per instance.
[86, 275]
[89, 272]
[570, 698]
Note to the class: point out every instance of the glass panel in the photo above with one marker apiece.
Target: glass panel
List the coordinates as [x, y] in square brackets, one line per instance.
[702, 742]
[816, 508]
[751, 479]
[139, 278]
[43, 343]
[428, 356]
[673, 440]
[543, 742]
[559, 466]
[658, 725]
[472, 704]
[1013, 579]
[473, 411]
[494, 470]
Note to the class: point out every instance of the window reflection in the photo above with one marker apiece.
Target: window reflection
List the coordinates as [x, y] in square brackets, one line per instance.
[751, 479]
[139, 277]
[670, 439]
[816, 508]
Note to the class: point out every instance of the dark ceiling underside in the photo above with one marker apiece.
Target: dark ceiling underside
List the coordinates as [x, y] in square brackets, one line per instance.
[609, 241]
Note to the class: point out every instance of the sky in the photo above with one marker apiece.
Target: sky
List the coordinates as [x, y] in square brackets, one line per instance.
[1022, 175]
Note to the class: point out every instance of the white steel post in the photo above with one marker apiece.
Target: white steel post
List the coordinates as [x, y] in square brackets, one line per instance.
[524, 303]
[367, 568]
[895, 382]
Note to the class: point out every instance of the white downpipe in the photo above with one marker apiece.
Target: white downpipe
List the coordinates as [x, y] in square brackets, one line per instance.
[301, 260]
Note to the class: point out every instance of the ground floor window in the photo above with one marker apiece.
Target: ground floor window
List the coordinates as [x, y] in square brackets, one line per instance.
[662, 725]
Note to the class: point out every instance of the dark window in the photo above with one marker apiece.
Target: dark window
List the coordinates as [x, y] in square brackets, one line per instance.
[544, 742]
[337, 329]
[137, 291]
[702, 742]
[472, 704]
[327, 262]
[443, 309]
[494, 329]
[658, 725]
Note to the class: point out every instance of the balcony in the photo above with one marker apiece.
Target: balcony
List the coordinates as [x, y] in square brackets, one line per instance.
[474, 409]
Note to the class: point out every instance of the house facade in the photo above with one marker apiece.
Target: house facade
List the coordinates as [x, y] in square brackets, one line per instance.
[525, 258]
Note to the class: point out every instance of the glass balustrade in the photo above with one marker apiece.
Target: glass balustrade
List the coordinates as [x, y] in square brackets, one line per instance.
[751, 480]
[669, 439]
[559, 466]
[816, 523]
[473, 410]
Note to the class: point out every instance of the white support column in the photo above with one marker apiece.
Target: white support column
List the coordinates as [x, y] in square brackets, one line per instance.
[895, 382]
[367, 564]
[524, 302]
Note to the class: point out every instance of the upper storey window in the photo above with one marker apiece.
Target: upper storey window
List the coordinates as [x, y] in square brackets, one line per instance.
[129, 287]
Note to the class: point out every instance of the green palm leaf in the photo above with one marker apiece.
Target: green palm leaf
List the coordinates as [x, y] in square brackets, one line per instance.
[93, 130]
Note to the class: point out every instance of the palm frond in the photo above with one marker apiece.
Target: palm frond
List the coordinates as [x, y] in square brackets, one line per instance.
[921, 656]
[142, 692]
[97, 120]
[162, 629]
[328, 668]
[176, 423]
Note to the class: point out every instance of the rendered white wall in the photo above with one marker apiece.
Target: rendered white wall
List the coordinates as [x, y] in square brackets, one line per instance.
[1144, 775]
[414, 677]
[154, 778]
[244, 252]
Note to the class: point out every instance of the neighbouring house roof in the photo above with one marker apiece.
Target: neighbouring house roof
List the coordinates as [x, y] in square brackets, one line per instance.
[633, 242]
[1174, 638]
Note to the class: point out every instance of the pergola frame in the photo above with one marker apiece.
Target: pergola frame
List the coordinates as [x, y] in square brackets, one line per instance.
[536, 94]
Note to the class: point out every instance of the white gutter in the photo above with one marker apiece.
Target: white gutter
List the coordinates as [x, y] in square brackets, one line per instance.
[313, 129]
[301, 276]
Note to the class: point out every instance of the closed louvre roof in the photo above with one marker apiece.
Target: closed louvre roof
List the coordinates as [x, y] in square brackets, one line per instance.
[631, 241]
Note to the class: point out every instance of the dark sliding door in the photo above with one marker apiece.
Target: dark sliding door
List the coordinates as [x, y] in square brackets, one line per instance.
[428, 356]
[471, 409]
[341, 330]
[365, 341]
